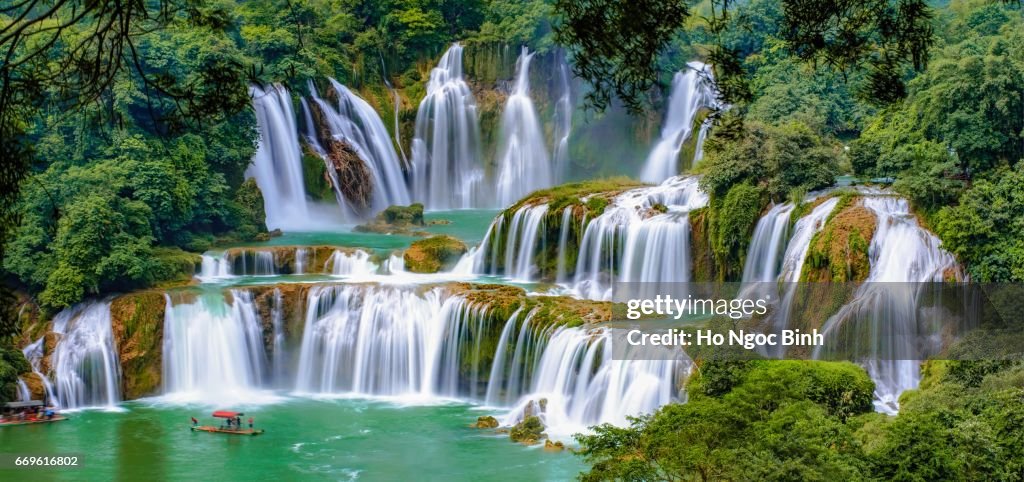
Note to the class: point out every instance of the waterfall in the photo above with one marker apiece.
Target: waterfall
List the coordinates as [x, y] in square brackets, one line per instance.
[583, 385]
[522, 238]
[763, 261]
[300, 260]
[446, 144]
[522, 157]
[629, 243]
[354, 263]
[692, 91]
[563, 242]
[800, 243]
[249, 262]
[280, 369]
[86, 369]
[277, 164]
[387, 341]
[23, 394]
[34, 354]
[355, 122]
[563, 120]
[886, 309]
[213, 348]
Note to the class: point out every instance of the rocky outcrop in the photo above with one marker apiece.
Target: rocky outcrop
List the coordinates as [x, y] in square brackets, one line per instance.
[434, 254]
[529, 431]
[486, 422]
[137, 322]
[839, 252]
[406, 220]
[354, 179]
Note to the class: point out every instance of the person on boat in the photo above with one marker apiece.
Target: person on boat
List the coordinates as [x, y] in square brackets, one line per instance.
[195, 422]
[250, 423]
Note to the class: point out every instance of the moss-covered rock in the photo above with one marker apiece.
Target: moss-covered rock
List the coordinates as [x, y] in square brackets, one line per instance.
[250, 215]
[137, 321]
[433, 254]
[839, 252]
[529, 431]
[553, 446]
[704, 267]
[173, 267]
[486, 421]
[405, 220]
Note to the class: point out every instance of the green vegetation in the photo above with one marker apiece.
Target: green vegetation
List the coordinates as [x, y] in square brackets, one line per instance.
[839, 252]
[799, 420]
[433, 254]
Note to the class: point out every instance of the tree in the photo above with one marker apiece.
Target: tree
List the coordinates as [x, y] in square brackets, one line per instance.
[615, 42]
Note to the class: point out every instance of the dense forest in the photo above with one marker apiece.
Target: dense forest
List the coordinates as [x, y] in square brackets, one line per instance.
[126, 130]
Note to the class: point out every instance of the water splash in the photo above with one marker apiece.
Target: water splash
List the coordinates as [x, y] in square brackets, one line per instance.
[446, 146]
[692, 90]
[522, 156]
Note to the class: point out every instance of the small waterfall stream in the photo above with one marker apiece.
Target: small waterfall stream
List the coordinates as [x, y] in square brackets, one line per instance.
[277, 165]
[628, 243]
[523, 161]
[769, 239]
[692, 90]
[446, 146]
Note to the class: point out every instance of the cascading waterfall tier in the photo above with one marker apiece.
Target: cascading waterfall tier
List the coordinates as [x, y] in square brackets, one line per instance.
[285, 260]
[446, 147]
[886, 307]
[509, 247]
[634, 241]
[582, 385]
[85, 365]
[213, 349]
[523, 162]
[277, 164]
[692, 90]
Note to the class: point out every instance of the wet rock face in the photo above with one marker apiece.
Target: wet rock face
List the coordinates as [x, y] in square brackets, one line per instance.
[137, 321]
[355, 182]
[434, 254]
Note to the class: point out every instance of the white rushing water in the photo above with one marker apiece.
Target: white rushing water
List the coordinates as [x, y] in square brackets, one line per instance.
[357, 123]
[581, 385]
[522, 238]
[277, 164]
[767, 244]
[382, 341]
[800, 243]
[226, 264]
[85, 365]
[446, 146]
[213, 349]
[886, 308]
[350, 263]
[634, 241]
[563, 120]
[692, 90]
[523, 163]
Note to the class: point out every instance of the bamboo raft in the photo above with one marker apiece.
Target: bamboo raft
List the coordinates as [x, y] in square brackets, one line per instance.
[229, 431]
